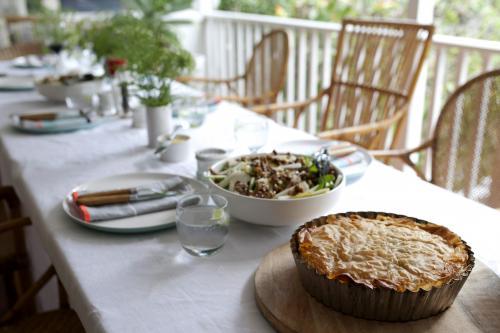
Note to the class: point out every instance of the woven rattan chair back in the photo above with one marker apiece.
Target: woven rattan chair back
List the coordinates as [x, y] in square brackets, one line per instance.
[20, 49]
[266, 71]
[466, 144]
[374, 74]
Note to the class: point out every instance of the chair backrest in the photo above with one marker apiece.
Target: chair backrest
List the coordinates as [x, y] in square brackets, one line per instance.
[374, 74]
[21, 48]
[266, 71]
[466, 145]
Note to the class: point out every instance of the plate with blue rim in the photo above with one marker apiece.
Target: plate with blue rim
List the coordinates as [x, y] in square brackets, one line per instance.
[133, 224]
[17, 123]
[16, 83]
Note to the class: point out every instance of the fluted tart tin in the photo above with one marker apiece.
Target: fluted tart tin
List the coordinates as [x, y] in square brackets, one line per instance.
[380, 303]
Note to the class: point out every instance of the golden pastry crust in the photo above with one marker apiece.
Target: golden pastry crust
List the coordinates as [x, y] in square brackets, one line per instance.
[384, 251]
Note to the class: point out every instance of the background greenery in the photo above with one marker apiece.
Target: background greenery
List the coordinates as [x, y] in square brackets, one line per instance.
[478, 18]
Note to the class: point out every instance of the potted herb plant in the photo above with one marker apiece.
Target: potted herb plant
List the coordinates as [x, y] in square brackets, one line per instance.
[154, 57]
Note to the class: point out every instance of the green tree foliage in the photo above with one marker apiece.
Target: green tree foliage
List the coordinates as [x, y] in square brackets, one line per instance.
[249, 6]
[156, 8]
[321, 10]
[478, 19]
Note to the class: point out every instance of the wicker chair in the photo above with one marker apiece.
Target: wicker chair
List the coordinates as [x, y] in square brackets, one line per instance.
[20, 49]
[264, 75]
[16, 318]
[373, 77]
[465, 145]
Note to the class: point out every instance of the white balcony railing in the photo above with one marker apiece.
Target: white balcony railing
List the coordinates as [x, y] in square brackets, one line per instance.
[229, 38]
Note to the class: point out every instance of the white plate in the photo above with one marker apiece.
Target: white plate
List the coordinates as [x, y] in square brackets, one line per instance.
[16, 123]
[16, 83]
[134, 224]
[307, 147]
[28, 62]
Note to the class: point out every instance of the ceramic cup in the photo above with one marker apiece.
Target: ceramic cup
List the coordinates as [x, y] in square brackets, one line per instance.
[178, 150]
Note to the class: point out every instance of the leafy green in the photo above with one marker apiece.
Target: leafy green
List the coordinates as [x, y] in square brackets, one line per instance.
[326, 181]
[309, 163]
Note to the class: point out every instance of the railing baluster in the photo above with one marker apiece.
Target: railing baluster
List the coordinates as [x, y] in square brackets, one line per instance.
[461, 77]
[436, 100]
[437, 88]
[248, 47]
[240, 56]
[327, 67]
[290, 79]
[462, 67]
[217, 49]
[231, 50]
[257, 36]
[313, 81]
[302, 77]
[224, 70]
[487, 61]
[248, 40]
[209, 49]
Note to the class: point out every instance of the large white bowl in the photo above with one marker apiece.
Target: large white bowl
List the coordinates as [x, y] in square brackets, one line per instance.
[274, 212]
[55, 91]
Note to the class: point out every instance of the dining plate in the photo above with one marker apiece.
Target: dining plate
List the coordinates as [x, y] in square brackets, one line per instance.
[16, 83]
[353, 173]
[133, 224]
[28, 62]
[16, 123]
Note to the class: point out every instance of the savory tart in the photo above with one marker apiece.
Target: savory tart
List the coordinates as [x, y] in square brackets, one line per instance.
[381, 266]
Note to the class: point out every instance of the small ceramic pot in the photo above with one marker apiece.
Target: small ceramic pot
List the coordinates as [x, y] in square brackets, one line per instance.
[139, 117]
[178, 150]
[159, 122]
[206, 157]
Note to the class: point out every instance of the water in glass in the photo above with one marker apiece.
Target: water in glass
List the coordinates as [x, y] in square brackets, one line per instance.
[202, 226]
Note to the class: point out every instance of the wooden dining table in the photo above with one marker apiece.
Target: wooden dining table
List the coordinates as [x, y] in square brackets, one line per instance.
[147, 282]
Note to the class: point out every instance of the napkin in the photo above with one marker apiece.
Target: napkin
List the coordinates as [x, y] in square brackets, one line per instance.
[50, 115]
[349, 160]
[134, 208]
[111, 212]
[55, 124]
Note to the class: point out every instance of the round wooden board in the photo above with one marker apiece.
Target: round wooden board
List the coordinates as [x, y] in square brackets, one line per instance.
[287, 306]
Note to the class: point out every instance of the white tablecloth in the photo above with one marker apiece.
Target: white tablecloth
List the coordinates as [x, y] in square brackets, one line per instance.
[147, 283]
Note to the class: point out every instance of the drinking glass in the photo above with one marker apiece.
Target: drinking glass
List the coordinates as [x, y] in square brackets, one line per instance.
[251, 132]
[191, 109]
[202, 223]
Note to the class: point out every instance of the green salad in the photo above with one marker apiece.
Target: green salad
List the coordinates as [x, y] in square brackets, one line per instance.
[275, 176]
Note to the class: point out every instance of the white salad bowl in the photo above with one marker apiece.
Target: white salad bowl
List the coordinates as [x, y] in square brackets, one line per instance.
[277, 212]
[57, 91]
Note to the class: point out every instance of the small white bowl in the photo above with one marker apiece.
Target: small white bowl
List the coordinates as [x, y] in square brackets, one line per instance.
[274, 212]
[178, 150]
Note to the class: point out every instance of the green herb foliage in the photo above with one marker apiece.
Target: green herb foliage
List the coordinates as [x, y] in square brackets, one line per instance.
[308, 162]
[152, 51]
[326, 181]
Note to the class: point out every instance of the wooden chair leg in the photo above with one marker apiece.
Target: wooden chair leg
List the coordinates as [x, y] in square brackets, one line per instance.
[23, 281]
[8, 194]
[10, 289]
[27, 296]
[63, 296]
